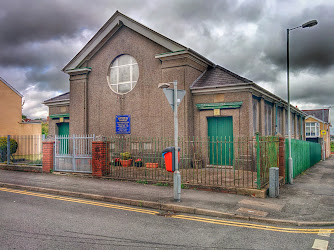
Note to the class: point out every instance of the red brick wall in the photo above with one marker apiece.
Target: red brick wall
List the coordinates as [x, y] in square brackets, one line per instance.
[47, 156]
[99, 158]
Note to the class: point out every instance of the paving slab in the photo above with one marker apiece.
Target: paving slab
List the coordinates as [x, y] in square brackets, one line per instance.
[261, 204]
[252, 212]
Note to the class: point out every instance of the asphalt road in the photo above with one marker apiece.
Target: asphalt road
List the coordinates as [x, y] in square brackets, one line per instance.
[38, 221]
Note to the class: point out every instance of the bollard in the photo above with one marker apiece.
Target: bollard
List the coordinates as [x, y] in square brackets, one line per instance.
[273, 182]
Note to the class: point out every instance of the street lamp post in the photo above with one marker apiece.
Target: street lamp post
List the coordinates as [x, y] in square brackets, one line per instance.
[174, 97]
[305, 25]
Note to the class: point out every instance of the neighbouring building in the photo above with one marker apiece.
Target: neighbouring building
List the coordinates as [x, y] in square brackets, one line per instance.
[114, 80]
[59, 117]
[11, 113]
[317, 128]
[28, 135]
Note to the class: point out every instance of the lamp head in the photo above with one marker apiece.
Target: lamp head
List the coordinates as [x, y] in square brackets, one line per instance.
[310, 24]
[163, 85]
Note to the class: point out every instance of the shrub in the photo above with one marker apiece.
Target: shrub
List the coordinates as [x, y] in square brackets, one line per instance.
[3, 148]
[126, 155]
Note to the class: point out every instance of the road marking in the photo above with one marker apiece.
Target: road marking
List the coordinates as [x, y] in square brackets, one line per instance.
[100, 204]
[324, 232]
[250, 225]
[183, 217]
[320, 244]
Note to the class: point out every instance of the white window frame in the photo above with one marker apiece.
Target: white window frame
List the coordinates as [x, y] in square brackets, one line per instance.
[315, 126]
[114, 65]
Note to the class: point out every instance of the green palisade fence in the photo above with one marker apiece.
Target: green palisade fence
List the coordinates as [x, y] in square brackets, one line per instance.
[304, 155]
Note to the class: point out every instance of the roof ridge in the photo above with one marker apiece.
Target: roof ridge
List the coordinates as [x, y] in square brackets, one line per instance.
[197, 79]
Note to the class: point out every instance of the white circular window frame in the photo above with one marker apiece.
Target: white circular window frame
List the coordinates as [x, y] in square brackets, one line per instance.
[132, 81]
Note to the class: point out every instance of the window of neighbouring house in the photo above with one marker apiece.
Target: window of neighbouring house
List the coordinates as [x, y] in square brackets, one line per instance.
[123, 74]
[312, 129]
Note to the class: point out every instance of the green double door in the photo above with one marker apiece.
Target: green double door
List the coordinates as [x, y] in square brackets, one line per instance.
[220, 132]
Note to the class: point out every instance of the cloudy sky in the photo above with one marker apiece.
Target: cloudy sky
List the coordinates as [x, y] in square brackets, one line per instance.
[38, 38]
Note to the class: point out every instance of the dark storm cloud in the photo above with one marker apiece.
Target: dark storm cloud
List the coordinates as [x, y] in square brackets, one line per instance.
[190, 14]
[29, 21]
[309, 47]
[40, 37]
[312, 91]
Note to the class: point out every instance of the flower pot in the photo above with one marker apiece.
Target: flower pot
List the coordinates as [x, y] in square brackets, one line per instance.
[126, 163]
[152, 165]
[139, 164]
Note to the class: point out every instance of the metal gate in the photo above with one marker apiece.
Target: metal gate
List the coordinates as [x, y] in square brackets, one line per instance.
[73, 153]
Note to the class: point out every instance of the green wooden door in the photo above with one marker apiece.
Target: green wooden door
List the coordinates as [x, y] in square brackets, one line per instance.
[63, 130]
[220, 132]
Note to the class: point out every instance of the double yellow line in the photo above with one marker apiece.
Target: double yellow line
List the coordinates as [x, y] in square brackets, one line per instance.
[254, 226]
[87, 202]
[180, 216]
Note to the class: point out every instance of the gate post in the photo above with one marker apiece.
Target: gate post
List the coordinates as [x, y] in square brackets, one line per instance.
[99, 158]
[47, 156]
[282, 156]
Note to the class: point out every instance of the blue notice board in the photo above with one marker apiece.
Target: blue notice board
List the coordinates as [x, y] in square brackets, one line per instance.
[123, 124]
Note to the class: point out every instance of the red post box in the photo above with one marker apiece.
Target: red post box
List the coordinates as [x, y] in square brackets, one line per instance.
[168, 154]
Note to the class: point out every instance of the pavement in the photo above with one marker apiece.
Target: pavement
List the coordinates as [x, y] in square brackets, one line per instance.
[308, 202]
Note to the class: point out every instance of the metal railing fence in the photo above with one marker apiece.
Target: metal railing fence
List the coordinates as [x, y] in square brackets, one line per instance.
[211, 162]
[23, 149]
[304, 154]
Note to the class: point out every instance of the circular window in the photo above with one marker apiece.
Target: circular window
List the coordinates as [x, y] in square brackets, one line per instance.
[124, 73]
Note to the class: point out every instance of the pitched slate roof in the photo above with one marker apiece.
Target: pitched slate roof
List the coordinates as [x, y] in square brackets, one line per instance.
[59, 98]
[218, 76]
[10, 86]
[321, 114]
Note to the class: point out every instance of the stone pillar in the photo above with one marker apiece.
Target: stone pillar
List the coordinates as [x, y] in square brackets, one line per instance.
[99, 158]
[47, 156]
[281, 156]
[78, 99]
